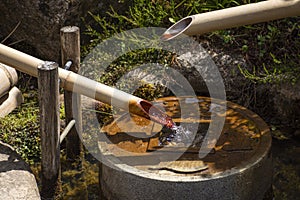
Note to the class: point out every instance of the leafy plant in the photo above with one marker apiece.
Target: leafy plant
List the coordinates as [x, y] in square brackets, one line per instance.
[146, 13]
[21, 130]
[152, 13]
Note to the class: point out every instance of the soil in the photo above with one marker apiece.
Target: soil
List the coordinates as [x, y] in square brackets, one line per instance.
[286, 162]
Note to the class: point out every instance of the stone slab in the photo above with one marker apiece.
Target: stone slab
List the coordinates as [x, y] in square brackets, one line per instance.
[17, 182]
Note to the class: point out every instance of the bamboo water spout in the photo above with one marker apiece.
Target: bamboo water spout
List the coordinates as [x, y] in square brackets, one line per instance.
[28, 64]
[233, 17]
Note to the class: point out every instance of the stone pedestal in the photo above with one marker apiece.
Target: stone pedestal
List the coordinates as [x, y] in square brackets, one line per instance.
[238, 167]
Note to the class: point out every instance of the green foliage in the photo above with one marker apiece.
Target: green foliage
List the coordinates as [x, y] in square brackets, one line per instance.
[145, 13]
[270, 47]
[129, 61]
[152, 13]
[148, 91]
[268, 76]
[273, 50]
[20, 129]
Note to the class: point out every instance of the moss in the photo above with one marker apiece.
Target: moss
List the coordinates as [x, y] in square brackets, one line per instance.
[20, 129]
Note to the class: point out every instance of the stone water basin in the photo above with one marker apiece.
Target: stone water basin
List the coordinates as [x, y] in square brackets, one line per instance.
[135, 166]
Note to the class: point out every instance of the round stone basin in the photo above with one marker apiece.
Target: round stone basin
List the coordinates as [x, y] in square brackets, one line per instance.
[135, 166]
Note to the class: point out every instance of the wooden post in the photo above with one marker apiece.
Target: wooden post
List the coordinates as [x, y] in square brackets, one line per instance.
[70, 50]
[49, 128]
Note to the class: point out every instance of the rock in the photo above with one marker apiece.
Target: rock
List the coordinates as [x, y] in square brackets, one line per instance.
[16, 178]
[41, 21]
[286, 98]
[225, 62]
[274, 102]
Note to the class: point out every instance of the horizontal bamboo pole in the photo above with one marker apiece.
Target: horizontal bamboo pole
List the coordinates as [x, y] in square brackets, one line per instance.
[87, 87]
[233, 17]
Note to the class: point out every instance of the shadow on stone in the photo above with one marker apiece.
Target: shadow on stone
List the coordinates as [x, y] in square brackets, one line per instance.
[16, 179]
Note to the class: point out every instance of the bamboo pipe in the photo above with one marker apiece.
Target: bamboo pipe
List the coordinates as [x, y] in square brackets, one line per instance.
[233, 17]
[87, 87]
[8, 77]
[14, 99]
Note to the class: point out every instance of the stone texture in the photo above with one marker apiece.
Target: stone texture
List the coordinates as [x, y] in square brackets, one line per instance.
[41, 20]
[16, 180]
[286, 101]
[128, 176]
[277, 103]
[210, 56]
[124, 185]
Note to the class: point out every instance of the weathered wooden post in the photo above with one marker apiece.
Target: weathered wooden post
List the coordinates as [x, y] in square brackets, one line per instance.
[70, 51]
[49, 128]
